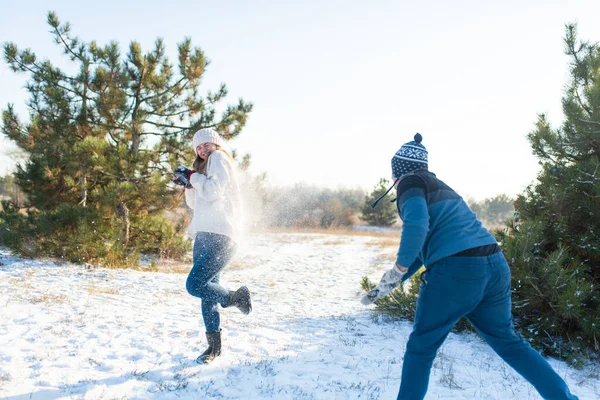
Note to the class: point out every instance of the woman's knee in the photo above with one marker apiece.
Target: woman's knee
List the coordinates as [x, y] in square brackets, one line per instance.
[195, 288]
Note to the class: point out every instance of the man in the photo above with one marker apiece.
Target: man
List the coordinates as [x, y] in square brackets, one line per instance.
[466, 276]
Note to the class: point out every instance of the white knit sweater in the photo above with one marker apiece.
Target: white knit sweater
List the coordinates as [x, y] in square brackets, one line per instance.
[215, 198]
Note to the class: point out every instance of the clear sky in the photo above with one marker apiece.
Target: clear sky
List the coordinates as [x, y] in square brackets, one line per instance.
[339, 86]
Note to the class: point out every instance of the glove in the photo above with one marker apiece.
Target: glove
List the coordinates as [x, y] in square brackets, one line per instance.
[181, 176]
[391, 279]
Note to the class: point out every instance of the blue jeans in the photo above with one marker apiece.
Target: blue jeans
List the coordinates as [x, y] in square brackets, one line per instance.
[477, 288]
[211, 254]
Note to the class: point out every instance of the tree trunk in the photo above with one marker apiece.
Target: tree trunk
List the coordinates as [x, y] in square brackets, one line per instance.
[123, 213]
[135, 141]
[136, 137]
[82, 189]
[85, 131]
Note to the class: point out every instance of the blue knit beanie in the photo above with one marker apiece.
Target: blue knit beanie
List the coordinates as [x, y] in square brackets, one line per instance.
[411, 157]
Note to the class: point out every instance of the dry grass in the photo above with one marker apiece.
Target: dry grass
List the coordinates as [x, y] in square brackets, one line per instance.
[240, 264]
[100, 290]
[168, 266]
[4, 378]
[25, 285]
[335, 242]
[19, 283]
[386, 257]
[180, 269]
[175, 268]
[384, 243]
[46, 298]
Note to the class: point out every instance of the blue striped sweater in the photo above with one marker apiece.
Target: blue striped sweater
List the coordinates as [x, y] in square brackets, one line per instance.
[436, 222]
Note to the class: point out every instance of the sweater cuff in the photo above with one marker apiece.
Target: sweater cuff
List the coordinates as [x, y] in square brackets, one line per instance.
[196, 179]
[188, 178]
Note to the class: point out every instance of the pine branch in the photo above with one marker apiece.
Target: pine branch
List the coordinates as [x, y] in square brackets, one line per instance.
[582, 104]
[588, 121]
[590, 195]
[154, 134]
[157, 124]
[575, 53]
[593, 176]
[68, 47]
[175, 114]
[167, 90]
[112, 137]
[40, 70]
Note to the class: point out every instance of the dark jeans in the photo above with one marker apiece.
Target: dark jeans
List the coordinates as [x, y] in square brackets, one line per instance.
[477, 288]
[211, 254]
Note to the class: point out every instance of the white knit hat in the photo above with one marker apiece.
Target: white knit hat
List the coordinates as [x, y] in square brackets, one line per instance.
[207, 135]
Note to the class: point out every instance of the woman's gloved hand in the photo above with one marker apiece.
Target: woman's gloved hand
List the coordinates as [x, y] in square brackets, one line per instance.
[181, 176]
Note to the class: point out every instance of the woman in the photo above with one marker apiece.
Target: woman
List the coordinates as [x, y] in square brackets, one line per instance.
[212, 192]
[466, 276]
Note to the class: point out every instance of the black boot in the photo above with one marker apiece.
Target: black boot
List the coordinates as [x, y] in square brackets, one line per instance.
[240, 299]
[214, 348]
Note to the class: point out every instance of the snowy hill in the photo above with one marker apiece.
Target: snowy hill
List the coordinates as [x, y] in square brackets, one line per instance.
[71, 333]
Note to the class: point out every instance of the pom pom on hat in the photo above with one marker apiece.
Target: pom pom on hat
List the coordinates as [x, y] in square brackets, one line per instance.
[411, 157]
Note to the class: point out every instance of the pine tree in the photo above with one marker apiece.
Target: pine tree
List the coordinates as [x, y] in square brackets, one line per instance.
[553, 245]
[97, 187]
[385, 214]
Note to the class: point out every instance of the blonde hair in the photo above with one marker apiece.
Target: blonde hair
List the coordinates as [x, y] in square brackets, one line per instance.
[200, 163]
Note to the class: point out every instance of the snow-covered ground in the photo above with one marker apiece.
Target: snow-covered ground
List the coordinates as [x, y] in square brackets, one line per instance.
[70, 333]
